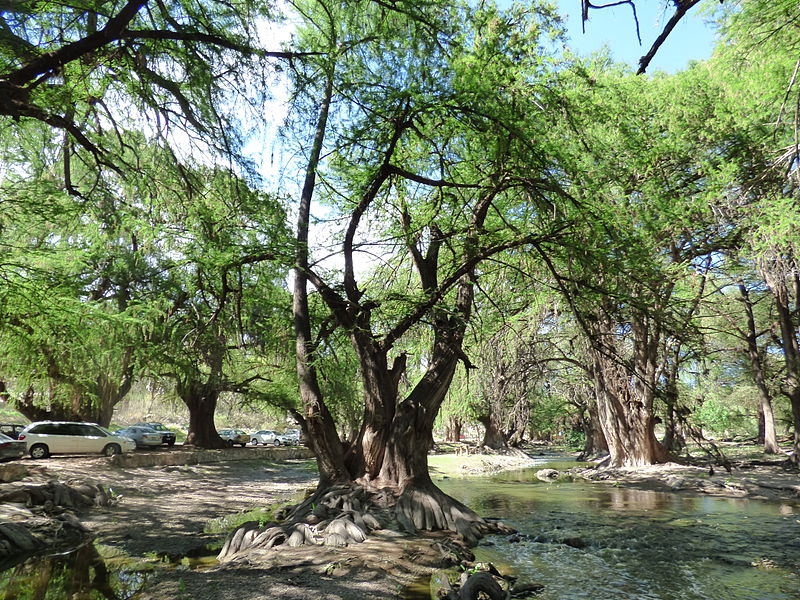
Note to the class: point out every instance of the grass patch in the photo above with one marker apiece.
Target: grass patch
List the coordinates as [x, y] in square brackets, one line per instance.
[261, 516]
[449, 464]
[9, 415]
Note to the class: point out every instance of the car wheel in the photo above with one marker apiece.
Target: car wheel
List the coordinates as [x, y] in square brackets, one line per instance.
[230, 443]
[40, 451]
[171, 444]
[112, 449]
[277, 443]
[254, 441]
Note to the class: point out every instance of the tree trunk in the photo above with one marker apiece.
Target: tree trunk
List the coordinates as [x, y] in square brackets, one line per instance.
[791, 353]
[625, 394]
[323, 438]
[595, 444]
[452, 429]
[628, 427]
[766, 415]
[201, 400]
[674, 437]
[492, 437]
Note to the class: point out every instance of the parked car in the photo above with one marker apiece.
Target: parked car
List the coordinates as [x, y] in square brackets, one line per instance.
[167, 436]
[291, 437]
[11, 448]
[266, 437]
[12, 430]
[44, 438]
[145, 437]
[234, 436]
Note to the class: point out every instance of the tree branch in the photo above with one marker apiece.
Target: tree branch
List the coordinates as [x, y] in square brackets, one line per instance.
[50, 61]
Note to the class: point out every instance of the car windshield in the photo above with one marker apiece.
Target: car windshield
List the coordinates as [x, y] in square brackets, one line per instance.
[4, 438]
[104, 430]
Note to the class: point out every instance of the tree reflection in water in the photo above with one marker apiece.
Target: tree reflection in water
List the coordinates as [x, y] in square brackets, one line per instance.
[80, 574]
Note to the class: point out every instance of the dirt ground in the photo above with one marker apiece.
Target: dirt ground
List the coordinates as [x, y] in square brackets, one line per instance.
[162, 512]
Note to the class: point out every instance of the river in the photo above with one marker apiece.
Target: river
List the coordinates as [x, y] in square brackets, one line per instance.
[593, 541]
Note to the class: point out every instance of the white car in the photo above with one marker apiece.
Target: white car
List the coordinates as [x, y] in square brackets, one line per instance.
[234, 436]
[265, 436]
[44, 438]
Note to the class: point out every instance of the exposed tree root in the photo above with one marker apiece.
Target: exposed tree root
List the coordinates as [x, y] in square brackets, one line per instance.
[346, 514]
[481, 583]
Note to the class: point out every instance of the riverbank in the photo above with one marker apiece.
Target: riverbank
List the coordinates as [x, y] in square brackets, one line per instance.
[748, 479]
[168, 523]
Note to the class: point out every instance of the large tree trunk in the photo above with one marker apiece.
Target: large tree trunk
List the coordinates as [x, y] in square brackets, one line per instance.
[492, 435]
[201, 400]
[625, 394]
[317, 420]
[791, 352]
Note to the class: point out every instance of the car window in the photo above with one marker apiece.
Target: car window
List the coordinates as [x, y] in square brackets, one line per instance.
[71, 429]
[54, 429]
[92, 430]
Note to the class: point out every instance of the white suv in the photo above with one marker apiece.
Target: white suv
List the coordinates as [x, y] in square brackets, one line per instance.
[64, 437]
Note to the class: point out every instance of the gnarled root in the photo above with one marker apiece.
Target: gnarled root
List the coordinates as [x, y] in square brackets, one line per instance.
[481, 583]
[335, 517]
[345, 514]
[429, 508]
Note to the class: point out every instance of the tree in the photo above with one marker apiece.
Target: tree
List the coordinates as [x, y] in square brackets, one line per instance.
[99, 67]
[648, 182]
[440, 185]
[67, 324]
[215, 290]
[762, 47]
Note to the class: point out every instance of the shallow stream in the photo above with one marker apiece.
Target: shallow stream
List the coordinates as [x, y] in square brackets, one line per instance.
[593, 541]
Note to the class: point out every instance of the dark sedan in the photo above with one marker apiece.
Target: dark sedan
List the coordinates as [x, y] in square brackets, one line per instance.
[12, 430]
[11, 449]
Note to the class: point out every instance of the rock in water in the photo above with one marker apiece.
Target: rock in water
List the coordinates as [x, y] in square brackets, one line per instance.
[547, 475]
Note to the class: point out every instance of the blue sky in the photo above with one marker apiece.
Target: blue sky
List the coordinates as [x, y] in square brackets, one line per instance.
[692, 39]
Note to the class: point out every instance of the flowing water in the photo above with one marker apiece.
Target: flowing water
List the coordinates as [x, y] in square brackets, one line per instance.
[592, 541]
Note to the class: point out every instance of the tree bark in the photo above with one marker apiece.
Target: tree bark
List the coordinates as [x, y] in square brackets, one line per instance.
[201, 400]
[791, 353]
[595, 444]
[452, 429]
[626, 391]
[493, 436]
[766, 415]
[322, 436]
